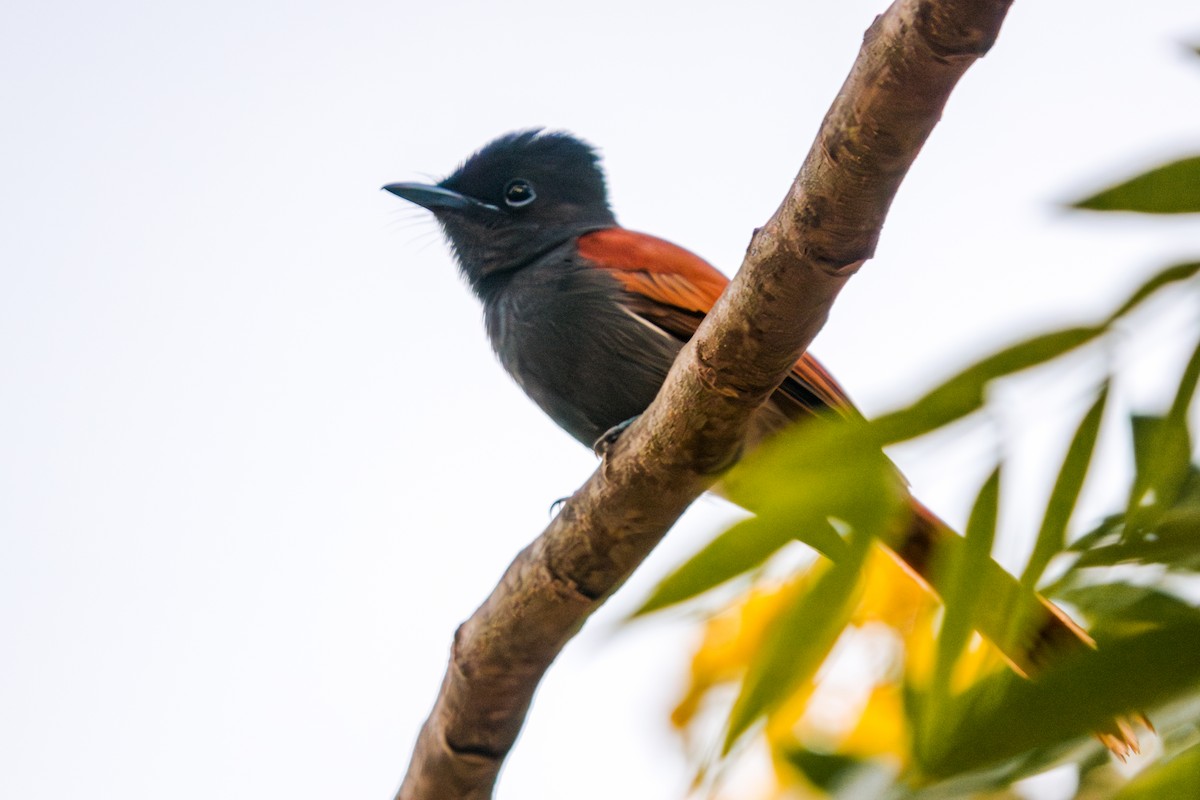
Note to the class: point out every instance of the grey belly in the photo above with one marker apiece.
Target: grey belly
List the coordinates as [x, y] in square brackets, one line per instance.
[587, 362]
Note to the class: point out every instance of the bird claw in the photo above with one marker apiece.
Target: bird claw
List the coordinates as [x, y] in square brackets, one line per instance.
[604, 444]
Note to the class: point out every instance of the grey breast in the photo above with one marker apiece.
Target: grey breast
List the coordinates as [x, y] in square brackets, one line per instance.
[560, 330]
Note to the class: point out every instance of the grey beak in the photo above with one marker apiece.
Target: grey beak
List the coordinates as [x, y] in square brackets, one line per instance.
[435, 197]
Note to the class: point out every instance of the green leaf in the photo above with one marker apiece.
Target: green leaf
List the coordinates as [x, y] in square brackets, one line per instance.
[1174, 541]
[1163, 449]
[1172, 274]
[821, 470]
[1172, 188]
[959, 586]
[1160, 477]
[1114, 607]
[740, 549]
[1144, 431]
[966, 392]
[795, 483]
[1013, 617]
[827, 466]
[955, 571]
[799, 639]
[1139, 668]
[1187, 389]
[1052, 536]
[826, 771]
[1109, 527]
[1179, 777]
[1189, 493]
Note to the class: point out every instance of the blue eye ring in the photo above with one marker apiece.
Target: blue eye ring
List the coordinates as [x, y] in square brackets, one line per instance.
[519, 193]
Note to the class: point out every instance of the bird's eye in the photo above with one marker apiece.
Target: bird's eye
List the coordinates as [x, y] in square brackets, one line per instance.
[519, 192]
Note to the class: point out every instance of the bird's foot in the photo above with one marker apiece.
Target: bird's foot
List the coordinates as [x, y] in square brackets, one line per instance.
[610, 436]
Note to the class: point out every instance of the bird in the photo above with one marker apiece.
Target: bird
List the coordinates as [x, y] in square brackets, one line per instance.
[587, 317]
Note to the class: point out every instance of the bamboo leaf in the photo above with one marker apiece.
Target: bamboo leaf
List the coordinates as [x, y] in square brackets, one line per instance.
[958, 593]
[966, 392]
[1160, 477]
[1175, 542]
[740, 549]
[799, 639]
[955, 570]
[818, 471]
[1187, 389]
[1172, 188]
[1163, 448]
[826, 771]
[1172, 274]
[1052, 536]
[1135, 669]
[1117, 606]
[795, 484]
[830, 463]
[1179, 777]
[1143, 429]
[1108, 528]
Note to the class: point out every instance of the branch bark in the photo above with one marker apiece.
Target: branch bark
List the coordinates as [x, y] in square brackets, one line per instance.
[827, 226]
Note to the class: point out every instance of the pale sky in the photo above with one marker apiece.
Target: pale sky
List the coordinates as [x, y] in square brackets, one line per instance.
[256, 458]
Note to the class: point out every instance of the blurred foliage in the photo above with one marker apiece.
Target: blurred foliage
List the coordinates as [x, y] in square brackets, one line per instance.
[1169, 189]
[864, 684]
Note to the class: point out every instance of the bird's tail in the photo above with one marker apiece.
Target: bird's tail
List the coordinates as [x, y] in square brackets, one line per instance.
[1030, 631]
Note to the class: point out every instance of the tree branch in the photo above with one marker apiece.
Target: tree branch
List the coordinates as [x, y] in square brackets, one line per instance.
[826, 227]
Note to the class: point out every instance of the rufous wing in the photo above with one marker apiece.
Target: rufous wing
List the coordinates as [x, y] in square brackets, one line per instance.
[674, 288]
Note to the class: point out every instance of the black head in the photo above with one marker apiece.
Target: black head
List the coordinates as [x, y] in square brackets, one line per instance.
[519, 196]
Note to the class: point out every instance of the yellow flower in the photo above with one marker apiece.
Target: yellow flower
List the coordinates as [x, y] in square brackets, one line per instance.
[893, 594]
[882, 729]
[730, 640]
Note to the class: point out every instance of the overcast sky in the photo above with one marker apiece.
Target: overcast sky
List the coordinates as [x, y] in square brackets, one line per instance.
[256, 458]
